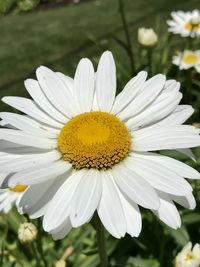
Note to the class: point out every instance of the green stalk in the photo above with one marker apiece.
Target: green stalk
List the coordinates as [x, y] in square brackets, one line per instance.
[101, 241]
[128, 39]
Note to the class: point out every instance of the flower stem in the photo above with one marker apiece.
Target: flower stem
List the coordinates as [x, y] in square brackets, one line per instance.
[101, 241]
[149, 55]
[128, 39]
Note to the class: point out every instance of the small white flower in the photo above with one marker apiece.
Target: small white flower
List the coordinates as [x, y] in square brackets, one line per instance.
[27, 233]
[80, 149]
[185, 23]
[188, 257]
[147, 37]
[10, 197]
[188, 59]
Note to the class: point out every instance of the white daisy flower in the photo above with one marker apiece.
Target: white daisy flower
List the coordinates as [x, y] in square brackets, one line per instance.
[11, 197]
[187, 59]
[188, 257]
[185, 23]
[84, 149]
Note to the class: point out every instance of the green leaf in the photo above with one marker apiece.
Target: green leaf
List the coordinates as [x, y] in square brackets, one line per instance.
[139, 262]
[191, 218]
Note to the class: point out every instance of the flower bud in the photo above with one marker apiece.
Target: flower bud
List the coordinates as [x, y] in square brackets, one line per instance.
[60, 263]
[147, 37]
[188, 257]
[27, 233]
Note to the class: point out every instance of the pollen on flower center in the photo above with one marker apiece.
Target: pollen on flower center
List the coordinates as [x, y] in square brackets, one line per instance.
[94, 140]
[193, 25]
[190, 59]
[18, 188]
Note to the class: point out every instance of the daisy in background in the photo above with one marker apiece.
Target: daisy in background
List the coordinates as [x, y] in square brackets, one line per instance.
[11, 197]
[83, 149]
[187, 59]
[188, 257]
[185, 23]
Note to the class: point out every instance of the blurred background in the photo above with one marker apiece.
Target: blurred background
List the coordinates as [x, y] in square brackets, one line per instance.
[58, 34]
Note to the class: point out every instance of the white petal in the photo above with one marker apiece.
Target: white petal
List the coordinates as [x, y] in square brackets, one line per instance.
[42, 173]
[84, 84]
[60, 206]
[178, 116]
[174, 165]
[106, 82]
[188, 201]
[62, 231]
[132, 215]
[39, 208]
[86, 198]
[158, 175]
[33, 88]
[55, 90]
[68, 81]
[135, 187]
[29, 161]
[129, 92]
[150, 91]
[187, 152]
[110, 208]
[165, 138]
[30, 108]
[25, 139]
[168, 213]
[155, 112]
[29, 125]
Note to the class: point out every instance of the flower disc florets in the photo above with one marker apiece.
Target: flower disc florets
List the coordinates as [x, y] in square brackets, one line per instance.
[94, 140]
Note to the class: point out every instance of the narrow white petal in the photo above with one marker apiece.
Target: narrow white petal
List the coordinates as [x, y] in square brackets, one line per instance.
[33, 88]
[129, 92]
[42, 173]
[86, 198]
[60, 206]
[135, 187]
[178, 116]
[84, 84]
[30, 108]
[68, 81]
[187, 201]
[155, 112]
[110, 208]
[29, 161]
[62, 231]
[173, 165]
[187, 152]
[168, 212]
[158, 175]
[183, 136]
[106, 82]
[28, 125]
[25, 139]
[150, 91]
[40, 206]
[132, 215]
[55, 90]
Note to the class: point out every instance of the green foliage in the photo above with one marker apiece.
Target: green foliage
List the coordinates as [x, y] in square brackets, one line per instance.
[7, 6]
[26, 5]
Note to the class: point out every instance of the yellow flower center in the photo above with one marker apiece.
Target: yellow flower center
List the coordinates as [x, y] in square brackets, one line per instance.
[189, 256]
[94, 140]
[193, 25]
[18, 188]
[190, 59]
